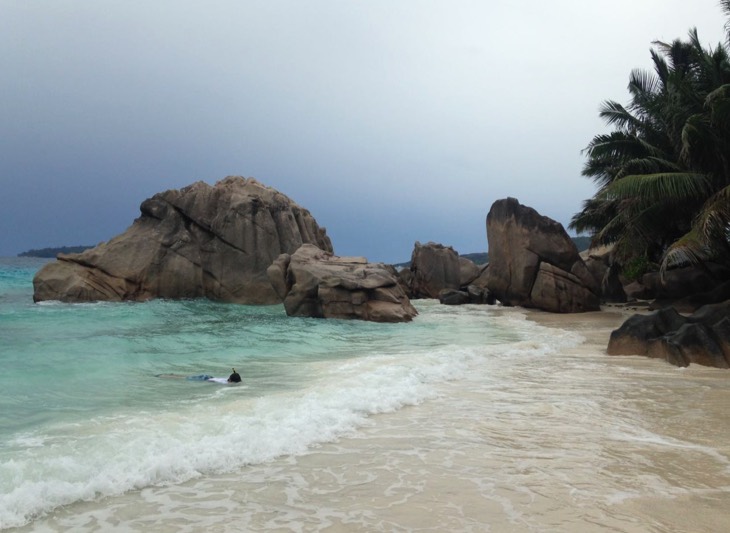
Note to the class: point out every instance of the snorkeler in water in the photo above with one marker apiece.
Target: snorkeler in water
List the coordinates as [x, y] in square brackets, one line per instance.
[235, 377]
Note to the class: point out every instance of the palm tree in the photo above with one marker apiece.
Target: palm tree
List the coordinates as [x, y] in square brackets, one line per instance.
[664, 171]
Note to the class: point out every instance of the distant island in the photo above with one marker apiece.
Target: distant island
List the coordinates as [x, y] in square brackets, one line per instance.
[53, 252]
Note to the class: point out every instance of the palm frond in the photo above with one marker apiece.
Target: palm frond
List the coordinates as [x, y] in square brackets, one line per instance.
[725, 6]
[690, 249]
[596, 213]
[614, 114]
[647, 165]
[642, 81]
[713, 220]
[696, 132]
[709, 237]
[670, 187]
[612, 230]
[620, 144]
[661, 68]
[718, 103]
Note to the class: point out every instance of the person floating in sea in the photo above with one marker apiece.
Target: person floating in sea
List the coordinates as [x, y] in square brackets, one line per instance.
[235, 377]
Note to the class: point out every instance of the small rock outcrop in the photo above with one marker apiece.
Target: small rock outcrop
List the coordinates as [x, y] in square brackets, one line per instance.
[205, 241]
[453, 297]
[685, 288]
[316, 283]
[606, 272]
[534, 263]
[702, 337]
[688, 288]
[634, 335]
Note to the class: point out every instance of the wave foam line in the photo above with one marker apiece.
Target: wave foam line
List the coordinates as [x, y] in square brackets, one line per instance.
[111, 456]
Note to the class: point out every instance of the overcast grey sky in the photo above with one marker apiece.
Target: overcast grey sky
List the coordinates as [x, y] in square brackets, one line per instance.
[391, 121]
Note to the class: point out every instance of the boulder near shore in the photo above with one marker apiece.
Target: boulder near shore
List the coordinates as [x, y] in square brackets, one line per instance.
[702, 337]
[316, 283]
[438, 271]
[534, 263]
[205, 241]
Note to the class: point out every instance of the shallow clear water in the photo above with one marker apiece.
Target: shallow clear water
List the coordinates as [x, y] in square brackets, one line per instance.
[470, 418]
[95, 402]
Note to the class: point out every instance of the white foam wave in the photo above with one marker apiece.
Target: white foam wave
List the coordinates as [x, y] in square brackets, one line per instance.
[227, 431]
[110, 456]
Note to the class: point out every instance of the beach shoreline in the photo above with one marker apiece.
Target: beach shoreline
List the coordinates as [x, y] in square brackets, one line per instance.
[569, 440]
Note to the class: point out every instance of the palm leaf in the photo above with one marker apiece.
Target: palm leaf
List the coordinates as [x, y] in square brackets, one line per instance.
[647, 165]
[708, 237]
[643, 83]
[696, 134]
[596, 213]
[713, 220]
[661, 68]
[661, 187]
[725, 6]
[689, 249]
[614, 114]
[718, 103]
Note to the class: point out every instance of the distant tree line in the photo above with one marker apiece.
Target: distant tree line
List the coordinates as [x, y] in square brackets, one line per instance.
[663, 173]
[53, 252]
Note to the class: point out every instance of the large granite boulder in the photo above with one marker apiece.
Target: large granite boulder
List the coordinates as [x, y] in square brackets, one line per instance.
[469, 271]
[702, 337]
[438, 271]
[316, 283]
[434, 267]
[534, 263]
[200, 241]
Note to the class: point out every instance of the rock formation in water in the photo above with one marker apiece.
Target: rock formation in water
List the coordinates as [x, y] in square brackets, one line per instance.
[534, 263]
[315, 283]
[200, 241]
[702, 337]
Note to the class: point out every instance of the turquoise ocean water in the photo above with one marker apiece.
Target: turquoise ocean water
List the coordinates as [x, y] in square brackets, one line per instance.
[94, 399]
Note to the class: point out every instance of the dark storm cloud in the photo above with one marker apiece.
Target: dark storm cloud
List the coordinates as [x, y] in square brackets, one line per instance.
[391, 121]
